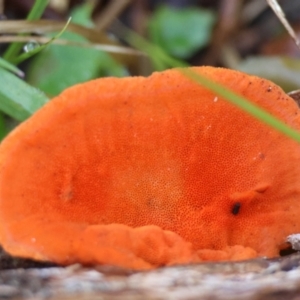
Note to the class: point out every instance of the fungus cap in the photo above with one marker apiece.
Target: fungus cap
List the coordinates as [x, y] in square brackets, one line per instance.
[144, 172]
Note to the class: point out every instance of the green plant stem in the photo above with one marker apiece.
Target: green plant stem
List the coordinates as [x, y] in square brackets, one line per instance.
[35, 13]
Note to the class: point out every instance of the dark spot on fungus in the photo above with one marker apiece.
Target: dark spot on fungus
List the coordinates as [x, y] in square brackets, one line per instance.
[236, 208]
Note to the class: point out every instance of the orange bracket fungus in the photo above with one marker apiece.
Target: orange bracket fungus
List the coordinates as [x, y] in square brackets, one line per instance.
[147, 172]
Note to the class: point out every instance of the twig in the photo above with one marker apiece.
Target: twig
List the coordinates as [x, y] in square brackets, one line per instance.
[113, 9]
[42, 40]
[281, 16]
[1, 7]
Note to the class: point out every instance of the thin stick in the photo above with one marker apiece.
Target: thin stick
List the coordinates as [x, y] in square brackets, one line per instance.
[1, 7]
[43, 40]
[113, 9]
[281, 16]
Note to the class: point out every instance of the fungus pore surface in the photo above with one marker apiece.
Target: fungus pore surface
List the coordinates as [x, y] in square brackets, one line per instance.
[147, 172]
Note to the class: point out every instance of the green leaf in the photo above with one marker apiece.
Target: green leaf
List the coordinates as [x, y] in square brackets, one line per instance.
[18, 99]
[58, 67]
[181, 32]
[81, 15]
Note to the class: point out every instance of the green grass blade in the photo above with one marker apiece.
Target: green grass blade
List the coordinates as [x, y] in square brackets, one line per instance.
[37, 10]
[10, 67]
[36, 50]
[244, 104]
[163, 59]
[18, 99]
[34, 14]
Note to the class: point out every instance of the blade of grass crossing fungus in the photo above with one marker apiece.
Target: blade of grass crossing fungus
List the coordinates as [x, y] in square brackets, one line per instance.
[163, 59]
